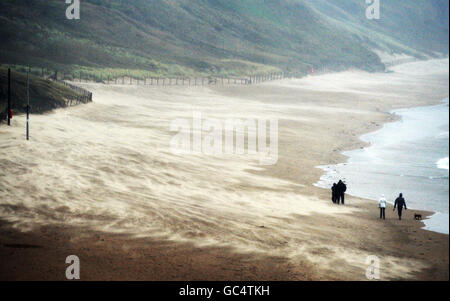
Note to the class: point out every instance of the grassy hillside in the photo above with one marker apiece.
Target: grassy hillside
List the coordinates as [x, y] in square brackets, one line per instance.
[415, 27]
[44, 94]
[232, 37]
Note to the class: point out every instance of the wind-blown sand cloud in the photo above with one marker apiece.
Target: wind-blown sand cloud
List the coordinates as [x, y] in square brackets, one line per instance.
[108, 165]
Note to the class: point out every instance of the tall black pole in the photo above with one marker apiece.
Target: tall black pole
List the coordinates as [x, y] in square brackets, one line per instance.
[9, 96]
[28, 104]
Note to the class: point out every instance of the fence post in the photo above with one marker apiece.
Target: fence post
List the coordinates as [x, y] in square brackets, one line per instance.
[9, 96]
[28, 104]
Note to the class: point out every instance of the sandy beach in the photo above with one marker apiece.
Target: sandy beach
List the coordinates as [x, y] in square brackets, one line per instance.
[99, 181]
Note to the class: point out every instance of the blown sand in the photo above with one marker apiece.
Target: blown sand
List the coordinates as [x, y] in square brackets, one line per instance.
[100, 181]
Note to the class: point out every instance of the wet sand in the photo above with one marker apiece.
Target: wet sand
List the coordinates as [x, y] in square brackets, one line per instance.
[99, 181]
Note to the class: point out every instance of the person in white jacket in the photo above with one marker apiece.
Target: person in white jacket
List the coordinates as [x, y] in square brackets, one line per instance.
[382, 206]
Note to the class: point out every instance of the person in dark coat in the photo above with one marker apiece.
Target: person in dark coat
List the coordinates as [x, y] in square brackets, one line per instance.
[399, 204]
[334, 193]
[341, 189]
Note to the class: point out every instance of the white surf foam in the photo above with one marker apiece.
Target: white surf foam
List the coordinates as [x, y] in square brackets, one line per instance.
[442, 163]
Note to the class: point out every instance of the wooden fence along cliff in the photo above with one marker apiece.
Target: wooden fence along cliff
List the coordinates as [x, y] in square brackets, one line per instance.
[175, 81]
[83, 77]
[85, 96]
[70, 80]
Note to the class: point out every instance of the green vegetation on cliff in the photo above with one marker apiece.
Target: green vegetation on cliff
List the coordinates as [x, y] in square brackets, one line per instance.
[226, 37]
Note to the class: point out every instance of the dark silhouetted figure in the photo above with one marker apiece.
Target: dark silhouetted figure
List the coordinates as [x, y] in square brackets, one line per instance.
[334, 193]
[399, 204]
[341, 189]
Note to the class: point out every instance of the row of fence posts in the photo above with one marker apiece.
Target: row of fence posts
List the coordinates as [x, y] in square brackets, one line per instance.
[174, 81]
[167, 81]
[171, 81]
[84, 96]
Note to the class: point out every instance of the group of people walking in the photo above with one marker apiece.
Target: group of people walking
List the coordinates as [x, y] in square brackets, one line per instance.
[399, 204]
[338, 197]
[338, 192]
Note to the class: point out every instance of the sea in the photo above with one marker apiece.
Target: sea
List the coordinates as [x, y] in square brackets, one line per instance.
[409, 156]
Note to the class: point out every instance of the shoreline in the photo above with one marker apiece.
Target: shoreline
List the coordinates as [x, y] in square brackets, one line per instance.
[365, 144]
[289, 232]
